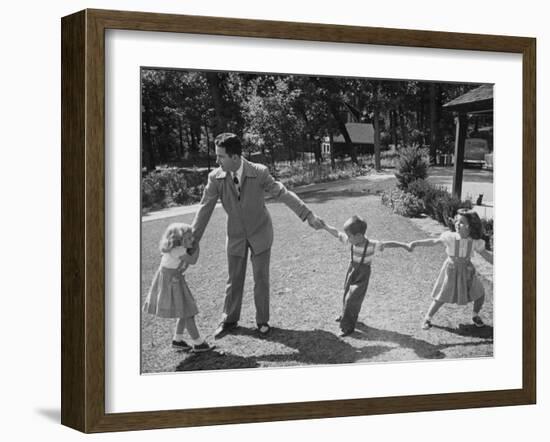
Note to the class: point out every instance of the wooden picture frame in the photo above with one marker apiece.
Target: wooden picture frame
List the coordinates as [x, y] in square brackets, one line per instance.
[83, 220]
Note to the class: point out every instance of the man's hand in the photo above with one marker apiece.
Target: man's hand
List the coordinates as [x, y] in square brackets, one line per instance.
[195, 245]
[314, 221]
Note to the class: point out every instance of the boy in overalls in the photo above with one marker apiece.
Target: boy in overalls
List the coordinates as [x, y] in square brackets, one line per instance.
[362, 251]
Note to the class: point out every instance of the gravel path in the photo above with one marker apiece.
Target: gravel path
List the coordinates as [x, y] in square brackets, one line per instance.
[307, 273]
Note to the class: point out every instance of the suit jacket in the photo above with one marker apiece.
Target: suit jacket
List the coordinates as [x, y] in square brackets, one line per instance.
[247, 218]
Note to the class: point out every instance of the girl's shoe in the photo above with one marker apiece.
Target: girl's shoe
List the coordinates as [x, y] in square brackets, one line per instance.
[200, 348]
[427, 324]
[478, 322]
[181, 345]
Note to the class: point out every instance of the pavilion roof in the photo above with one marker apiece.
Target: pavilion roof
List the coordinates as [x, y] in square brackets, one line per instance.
[477, 100]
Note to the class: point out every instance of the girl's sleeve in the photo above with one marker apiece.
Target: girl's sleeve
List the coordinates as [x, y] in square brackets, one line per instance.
[479, 245]
[446, 237]
[377, 246]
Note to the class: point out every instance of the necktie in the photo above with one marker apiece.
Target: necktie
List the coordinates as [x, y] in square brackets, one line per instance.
[236, 181]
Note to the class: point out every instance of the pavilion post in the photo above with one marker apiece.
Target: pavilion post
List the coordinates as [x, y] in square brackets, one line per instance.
[461, 121]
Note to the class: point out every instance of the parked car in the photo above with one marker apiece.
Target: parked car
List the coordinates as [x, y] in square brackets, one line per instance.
[475, 151]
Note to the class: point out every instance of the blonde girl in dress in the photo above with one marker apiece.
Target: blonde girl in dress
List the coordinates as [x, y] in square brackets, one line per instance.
[458, 281]
[169, 295]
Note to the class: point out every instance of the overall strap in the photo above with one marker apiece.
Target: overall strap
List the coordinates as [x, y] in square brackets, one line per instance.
[456, 252]
[364, 252]
[469, 251]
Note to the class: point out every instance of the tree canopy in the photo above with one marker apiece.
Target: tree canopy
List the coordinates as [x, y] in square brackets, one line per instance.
[282, 116]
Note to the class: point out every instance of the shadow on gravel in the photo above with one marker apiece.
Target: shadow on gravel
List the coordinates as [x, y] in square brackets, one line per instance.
[215, 360]
[319, 347]
[470, 331]
[426, 350]
[313, 347]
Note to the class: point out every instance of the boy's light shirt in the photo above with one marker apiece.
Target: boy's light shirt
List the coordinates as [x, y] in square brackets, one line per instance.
[373, 248]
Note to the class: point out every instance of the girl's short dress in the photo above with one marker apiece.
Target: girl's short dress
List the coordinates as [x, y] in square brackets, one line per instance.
[458, 281]
[169, 295]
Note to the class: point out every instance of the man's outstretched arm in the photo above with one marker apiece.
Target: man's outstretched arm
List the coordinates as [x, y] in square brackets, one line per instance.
[206, 207]
[278, 191]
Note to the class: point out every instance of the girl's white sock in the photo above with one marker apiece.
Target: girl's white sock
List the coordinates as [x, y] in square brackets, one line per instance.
[178, 337]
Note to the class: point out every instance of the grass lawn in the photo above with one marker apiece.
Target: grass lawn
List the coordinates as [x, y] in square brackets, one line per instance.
[307, 275]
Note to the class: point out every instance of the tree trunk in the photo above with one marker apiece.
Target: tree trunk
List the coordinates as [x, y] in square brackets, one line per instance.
[316, 144]
[207, 147]
[220, 122]
[196, 130]
[160, 143]
[434, 120]
[181, 150]
[332, 156]
[404, 134]
[289, 148]
[393, 126]
[148, 157]
[376, 138]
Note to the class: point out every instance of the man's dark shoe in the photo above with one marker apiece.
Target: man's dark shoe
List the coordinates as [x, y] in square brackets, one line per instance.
[224, 328]
[264, 329]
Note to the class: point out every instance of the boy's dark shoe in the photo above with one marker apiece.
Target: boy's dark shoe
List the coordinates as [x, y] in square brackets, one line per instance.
[181, 345]
[345, 333]
[200, 348]
[224, 328]
[478, 322]
[338, 318]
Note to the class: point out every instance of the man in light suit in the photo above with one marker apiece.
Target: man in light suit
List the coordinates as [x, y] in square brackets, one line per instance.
[240, 185]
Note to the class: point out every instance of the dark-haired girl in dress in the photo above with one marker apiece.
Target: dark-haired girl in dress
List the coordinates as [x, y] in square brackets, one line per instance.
[458, 281]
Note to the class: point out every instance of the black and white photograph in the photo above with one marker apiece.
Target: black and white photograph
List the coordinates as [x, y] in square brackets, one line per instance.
[270, 221]
[300, 220]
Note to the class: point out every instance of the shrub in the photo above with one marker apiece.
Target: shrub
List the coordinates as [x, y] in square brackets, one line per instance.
[488, 231]
[165, 187]
[417, 136]
[298, 174]
[438, 202]
[412, 164]
[444, 208]
[152, 192]
[402, 203]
